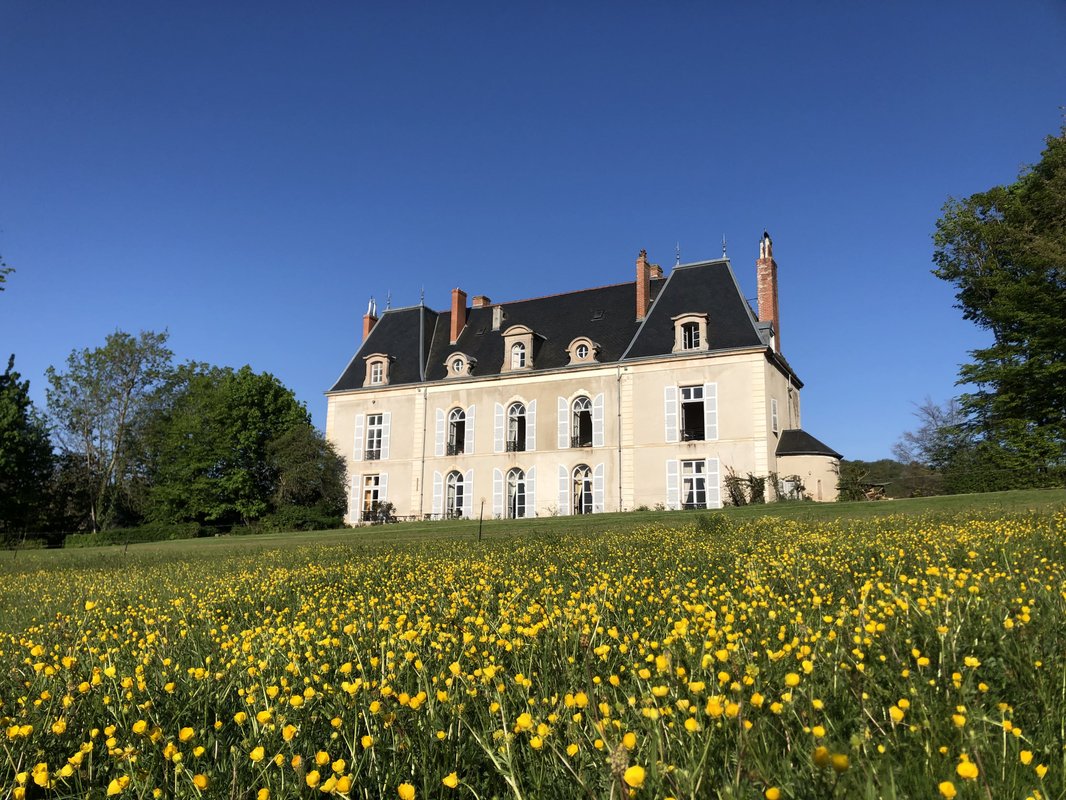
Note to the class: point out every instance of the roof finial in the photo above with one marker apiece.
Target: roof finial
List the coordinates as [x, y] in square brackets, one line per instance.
[422, 297]
[677, 255]
[388, 300]
[723, 246]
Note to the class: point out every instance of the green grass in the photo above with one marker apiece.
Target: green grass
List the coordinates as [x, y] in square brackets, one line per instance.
[992, 502]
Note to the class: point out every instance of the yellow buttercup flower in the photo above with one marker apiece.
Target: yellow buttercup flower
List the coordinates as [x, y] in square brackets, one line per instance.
[634, 776]
[451, 780]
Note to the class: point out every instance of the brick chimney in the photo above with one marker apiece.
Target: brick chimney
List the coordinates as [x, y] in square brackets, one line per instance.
[766, 274]
[458, 313]
[370, 318]
[643, 284]
[480, 301]
[656, 272]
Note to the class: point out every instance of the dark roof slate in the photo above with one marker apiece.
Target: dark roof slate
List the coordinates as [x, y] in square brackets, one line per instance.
[607, 315]
[395, 334]
[556, 320]
[708, 288]
[797, 442]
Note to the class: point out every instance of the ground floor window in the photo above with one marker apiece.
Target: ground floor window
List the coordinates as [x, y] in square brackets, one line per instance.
[694, 484]
[582, 489]
[371, 495]
[454, 497]
[516, 494]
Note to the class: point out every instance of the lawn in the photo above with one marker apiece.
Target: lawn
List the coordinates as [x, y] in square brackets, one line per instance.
[896, 649]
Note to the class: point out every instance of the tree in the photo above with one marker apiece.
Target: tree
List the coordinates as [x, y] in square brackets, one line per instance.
[25, 455]
[310, 472]
[5, 270]
[941, 435]
[100, 402]
[1004, 251]
[211, 449]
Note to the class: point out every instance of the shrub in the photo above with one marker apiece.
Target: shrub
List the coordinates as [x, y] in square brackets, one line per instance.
[149, 532]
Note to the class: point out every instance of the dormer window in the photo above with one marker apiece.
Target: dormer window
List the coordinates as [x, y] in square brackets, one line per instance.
[690, 336]
[518, 341]
[582, 350]
[518, 355]
[460, 365]
[377, 370]
[690, 332]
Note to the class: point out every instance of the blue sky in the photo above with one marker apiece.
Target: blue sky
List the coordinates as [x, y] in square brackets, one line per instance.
[246, 175]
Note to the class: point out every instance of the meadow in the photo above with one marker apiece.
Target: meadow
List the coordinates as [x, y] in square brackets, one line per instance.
[911, 652]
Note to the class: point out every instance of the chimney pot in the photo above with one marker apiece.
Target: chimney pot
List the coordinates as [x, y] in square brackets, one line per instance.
[480, 301]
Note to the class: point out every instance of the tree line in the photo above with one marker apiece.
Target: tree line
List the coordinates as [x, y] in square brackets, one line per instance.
[1004, 252]
[130, 439]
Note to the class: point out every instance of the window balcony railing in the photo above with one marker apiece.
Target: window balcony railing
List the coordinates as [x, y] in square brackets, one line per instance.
[693, 434]
[455, 449]
[581, 441]
[690, 506]
[516, 446]
[373, 455]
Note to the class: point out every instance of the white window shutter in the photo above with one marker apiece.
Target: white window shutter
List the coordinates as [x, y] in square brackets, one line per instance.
[468, 433]
[564, 424]
[597, 420]
[714, 489]
[438, 494]
[360, 425]
[673, 488]
[497, 494]
[710, 411]
[773, 415]
[468, 494]
[531, 491]
[531, 426]
[597, 488]
[383, 487]
[386, 429]
[439, 450]
[355, 510]
[670, 411]
[564, 491]
[497, 430]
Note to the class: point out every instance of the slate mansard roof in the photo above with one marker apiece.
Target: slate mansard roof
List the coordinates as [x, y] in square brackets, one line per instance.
[416, 339]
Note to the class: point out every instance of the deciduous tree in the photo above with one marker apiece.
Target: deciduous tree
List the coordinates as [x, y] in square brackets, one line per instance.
[98, 404]
[212, 447]
[1004, 251]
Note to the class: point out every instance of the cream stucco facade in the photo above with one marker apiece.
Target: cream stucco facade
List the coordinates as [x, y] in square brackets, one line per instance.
[537, 437]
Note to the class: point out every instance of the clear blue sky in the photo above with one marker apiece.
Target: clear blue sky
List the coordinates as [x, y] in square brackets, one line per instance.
[246, 175]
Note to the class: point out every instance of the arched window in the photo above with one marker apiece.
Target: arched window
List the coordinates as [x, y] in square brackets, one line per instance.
[455, 489]
[456, 432]
[518, 355]
[582, 351]
[516, 428]
[457, 366]
[516, 494]
[581, 423]
[582, 489]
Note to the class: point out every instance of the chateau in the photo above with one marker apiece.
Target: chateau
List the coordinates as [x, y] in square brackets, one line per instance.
[647, 393]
